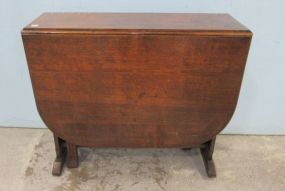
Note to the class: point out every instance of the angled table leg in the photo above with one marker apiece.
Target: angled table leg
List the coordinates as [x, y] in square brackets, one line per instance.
[207, 153]
[60, 156]
[72, 156]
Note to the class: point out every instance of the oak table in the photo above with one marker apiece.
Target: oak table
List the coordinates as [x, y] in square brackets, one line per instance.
[135, 80]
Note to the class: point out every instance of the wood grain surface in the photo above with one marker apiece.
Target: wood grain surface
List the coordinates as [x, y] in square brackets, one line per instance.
[136, 90]
[137, 23]
[135, 79]
[162, 88]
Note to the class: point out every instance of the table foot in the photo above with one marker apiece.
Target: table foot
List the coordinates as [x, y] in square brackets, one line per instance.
[207, 153]
[64, 150]
[72, 156]
[60, 156]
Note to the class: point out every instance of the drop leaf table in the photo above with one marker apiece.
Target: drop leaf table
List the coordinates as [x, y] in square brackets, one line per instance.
[135, 80]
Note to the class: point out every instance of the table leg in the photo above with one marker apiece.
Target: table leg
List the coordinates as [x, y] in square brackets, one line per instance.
[60, 156]
[207, 154]
[72, 156]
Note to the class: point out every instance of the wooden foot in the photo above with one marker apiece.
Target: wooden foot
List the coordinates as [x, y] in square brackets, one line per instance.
[207, 152]
[63, 148]
[72, 156]
[60, 156]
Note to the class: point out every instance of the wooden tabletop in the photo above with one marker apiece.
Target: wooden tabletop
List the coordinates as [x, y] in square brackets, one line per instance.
[136, 23]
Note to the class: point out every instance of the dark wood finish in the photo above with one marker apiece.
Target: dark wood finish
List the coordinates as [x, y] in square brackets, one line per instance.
[207, 155]
[136, 80]
[72, 156]
[60, 156]
[146, 23]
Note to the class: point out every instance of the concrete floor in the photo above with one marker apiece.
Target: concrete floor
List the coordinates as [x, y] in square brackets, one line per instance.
[242, 163]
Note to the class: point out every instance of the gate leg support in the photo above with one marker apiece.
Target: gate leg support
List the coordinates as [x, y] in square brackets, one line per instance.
[60, 155]
[207, 153]
[72, 156]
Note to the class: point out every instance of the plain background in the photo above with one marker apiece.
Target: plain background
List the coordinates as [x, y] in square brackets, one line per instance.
[261, 106]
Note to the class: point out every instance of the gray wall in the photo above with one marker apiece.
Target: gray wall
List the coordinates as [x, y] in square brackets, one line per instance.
[261, 106]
